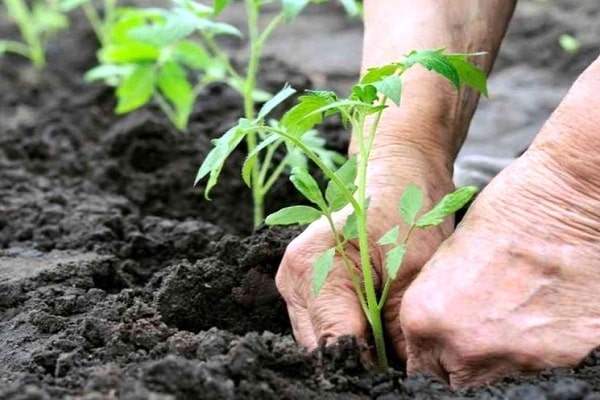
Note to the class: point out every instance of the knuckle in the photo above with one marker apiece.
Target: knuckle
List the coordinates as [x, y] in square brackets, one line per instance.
[419, 317]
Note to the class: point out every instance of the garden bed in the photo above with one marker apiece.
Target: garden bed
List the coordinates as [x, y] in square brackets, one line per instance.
[117, 279]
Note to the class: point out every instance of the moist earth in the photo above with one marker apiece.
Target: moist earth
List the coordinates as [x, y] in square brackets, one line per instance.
[118, 280]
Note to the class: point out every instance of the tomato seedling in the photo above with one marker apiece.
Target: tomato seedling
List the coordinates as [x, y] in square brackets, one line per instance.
[261, 169]
[38, 21]
[347, 185]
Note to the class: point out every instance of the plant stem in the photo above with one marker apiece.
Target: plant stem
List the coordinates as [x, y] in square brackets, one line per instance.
[320, 164]
[257, 41]
[14, 47]
[19, 11]
[363, 242]
[92, 15]
[249, 106]
[355, 282]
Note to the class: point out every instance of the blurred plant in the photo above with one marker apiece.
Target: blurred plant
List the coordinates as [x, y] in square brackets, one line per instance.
[259, 170]
[37, 22]
[100, 24]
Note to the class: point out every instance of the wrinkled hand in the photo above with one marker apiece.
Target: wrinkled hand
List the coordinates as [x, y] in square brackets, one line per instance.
[336, 310]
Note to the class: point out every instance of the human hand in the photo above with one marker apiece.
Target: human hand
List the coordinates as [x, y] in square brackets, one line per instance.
[336, 310]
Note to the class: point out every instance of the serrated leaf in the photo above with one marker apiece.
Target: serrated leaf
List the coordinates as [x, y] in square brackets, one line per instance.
[332, 159]
[434, 60]
[469, 74]
[295, 215]
[364, 93]
[191, 54]
[307, 185]
[296, 121]
[393, 261]
[179, 24]
[276, 100]
[136, 89]
[173, 84]
[376, 74]
[347, 174]
[411, 203]
[321, 270]
[292, 8]
[447, 206]
[390, 237]
[252, 156]
[214, 161]
[390, 87]
[350, 229]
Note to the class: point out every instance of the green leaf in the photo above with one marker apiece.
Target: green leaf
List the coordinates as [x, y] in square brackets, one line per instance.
[393, 261]
[390, 87]
[321, 270]
[292, 8]
[377, 74]
[390, 237]
[434, 60]
[108, 72]
[173, 84]
[332, 159]
[411, 203]
[469, 74]
[191, 54]
[272, 140]
[447, 206]
[296, 121]
[214, 161]
[307, 185]
[220, 5]
[179, 24]
[347, 174]
[132, 52]
[364, 93]
[350, 230]
[276, 100]
[295, 215]
[136, 89]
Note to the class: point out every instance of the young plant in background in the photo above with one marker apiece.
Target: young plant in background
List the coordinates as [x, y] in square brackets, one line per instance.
[38, 21]
[261, 169]
[347, 185]
[101, 23]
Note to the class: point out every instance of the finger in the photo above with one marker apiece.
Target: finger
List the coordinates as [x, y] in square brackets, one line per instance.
[425, 360]
[391, 319]
[336, 310]
[302, 327]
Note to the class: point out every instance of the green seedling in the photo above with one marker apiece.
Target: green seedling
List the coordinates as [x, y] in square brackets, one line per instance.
[346, 186]
[261, 169]
[38, 21]
[101, 23]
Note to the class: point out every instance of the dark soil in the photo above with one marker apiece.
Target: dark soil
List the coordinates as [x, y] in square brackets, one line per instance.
[117, 280]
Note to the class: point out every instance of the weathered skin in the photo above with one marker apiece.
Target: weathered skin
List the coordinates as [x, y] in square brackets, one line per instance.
[504, 292]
